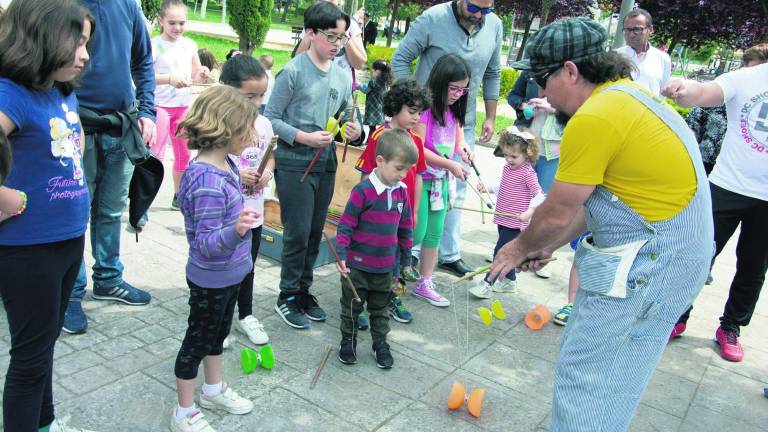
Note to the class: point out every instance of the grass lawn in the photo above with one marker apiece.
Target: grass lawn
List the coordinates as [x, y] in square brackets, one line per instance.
[500, 124]
[220, 48]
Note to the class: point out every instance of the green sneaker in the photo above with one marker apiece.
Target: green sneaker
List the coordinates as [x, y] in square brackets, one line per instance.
[561, 317]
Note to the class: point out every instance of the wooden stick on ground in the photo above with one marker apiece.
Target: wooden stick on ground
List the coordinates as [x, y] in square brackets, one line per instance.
[326, 354]
[338, 263]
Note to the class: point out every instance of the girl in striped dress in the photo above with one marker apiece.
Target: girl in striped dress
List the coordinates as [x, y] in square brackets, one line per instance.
[517, 195]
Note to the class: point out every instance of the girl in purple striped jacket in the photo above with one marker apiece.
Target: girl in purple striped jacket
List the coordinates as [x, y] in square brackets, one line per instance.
[218, 228]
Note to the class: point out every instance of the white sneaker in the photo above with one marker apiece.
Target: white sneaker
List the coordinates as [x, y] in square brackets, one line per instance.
[543, 273]
[253, 329]
[489, 258]
[227, 342]
[228, 401]
[481, 290]
[60, 425]
[504, 286]
[193, 423]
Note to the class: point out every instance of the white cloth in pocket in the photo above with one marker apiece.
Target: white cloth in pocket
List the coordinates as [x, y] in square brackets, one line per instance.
[605, 270]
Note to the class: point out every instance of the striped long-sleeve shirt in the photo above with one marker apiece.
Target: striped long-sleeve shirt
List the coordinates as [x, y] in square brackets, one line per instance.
[211, 201]
[517, 188]
[376, 221]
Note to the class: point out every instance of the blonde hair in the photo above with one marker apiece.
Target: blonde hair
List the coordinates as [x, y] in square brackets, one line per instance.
[528, 147]
[219, 115]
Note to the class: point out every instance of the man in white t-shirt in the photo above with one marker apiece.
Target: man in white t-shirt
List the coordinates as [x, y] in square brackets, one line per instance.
[739, 184]
[654, 67]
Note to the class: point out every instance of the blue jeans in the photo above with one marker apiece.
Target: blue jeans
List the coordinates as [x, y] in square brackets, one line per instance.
[450, 244]
[545, 172]
[108, 172]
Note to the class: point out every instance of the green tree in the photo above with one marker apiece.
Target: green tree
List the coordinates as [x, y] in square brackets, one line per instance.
[250, 19]
[376, 8]
[151, 8]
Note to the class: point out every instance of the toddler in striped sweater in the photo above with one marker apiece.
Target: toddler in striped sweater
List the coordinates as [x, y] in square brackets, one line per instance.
[517, 195]
[376, 223]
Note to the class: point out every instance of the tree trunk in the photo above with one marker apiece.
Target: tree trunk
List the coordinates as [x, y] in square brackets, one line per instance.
[546, 6]
[764, 4]
[528, 22]
[395, 5]
[407, 25]
[245, 46]
[673, 43]
[286, 4]
[203, 8]
[223, 11]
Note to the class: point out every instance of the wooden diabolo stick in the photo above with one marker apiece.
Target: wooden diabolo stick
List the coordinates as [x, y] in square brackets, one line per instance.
[352, 118]
[324, 360]
[338, 262]
[311, 164]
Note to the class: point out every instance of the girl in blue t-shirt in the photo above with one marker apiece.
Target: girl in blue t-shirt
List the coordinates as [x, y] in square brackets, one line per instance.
[442, 129]
[44, 201]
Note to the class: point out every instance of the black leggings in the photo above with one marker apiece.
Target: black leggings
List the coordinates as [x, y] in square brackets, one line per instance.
[245, 298]
[731, 209]
[210, 319]
[35, 285]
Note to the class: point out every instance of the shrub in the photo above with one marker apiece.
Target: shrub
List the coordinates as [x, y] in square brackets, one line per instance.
[250, 19]
[376, 52]
[680, 110]
[151, 8]
[508, 78]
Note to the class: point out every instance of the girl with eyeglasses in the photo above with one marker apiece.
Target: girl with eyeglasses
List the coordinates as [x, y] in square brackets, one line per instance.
[442, 129]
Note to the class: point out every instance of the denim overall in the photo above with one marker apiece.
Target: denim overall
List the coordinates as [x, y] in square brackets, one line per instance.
[613, 342]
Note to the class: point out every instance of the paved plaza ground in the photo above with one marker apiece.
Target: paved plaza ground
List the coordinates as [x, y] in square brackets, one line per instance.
[119, 376]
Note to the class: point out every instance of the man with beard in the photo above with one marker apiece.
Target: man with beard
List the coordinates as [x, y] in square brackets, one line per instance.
[630, 171]
[469, 29]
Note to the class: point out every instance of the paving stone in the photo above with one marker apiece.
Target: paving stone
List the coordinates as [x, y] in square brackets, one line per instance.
[686, 361]
[117, 347]
[753, 366]
[122, 326]
[280, 410]
[135, 403]
[152, 333]
[523, 372]
[164, 348]
[89, 379]
[700, 419]
[349, 396]
[732, 395]
[61, 350]
[669, 393]
[82, 341]
[419, 417]
[544, 343]
[649, 419]
[76, 362]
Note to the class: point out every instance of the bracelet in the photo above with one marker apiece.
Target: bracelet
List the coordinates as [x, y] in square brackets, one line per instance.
[21, 209]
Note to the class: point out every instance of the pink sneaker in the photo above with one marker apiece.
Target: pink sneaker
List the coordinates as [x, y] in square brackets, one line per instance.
[730, 347]
[426, 291]
[677, 330]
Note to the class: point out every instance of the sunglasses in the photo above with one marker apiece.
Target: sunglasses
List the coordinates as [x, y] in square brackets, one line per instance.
[458, 90]
[473, 8]
[333, 37]
[541, 78]
[634, 30]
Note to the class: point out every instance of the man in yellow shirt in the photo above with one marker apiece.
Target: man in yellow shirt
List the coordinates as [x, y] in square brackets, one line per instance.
[630, 172]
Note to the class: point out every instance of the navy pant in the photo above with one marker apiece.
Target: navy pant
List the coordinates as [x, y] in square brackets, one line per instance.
[506, 235]
[35, 285]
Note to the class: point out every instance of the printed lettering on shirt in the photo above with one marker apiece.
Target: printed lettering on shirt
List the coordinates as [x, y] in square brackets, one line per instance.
[65, 146]
[753, 123]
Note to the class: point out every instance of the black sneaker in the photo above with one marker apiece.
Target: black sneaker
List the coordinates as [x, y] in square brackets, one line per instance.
[175, 203]
[347, 350]
[290, 311]
[312, 309]
[383, 357]
[458, 267]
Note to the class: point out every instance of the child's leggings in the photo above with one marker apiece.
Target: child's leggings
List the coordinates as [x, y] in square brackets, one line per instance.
[167, 122]
[245, 297]
[209, 322]
[429, 227]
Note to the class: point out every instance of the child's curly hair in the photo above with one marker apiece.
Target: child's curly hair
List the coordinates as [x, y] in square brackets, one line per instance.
[512, 139]
[405, 91]
[219, 115]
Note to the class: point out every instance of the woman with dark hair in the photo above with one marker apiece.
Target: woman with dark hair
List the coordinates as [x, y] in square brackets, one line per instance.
[44, 202]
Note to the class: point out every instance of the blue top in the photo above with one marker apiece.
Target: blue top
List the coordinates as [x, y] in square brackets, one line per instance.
[47, 166]
[121, 55]
[211, 201]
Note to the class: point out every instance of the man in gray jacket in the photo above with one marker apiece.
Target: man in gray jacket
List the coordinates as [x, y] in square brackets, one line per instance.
[470, 29]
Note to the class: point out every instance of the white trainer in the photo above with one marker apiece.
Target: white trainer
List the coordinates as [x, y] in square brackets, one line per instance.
[60, 425]
[504, 286]
[253, 329]
[227, 342]
[543, 273]
[481, 290]
[194, 423]
[228, 401]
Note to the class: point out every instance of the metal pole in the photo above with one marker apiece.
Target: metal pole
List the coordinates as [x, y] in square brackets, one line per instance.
[626, 7]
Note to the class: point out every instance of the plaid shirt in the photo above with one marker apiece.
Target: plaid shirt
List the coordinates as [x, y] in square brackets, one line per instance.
[708, 124]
